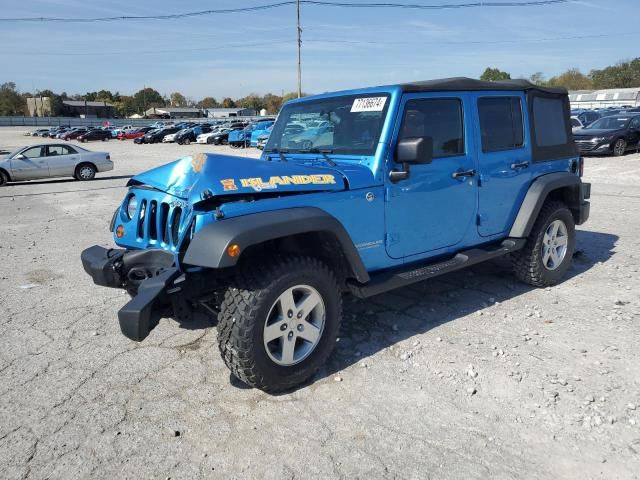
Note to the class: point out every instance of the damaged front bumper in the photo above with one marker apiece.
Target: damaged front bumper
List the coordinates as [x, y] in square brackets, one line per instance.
[150, 276]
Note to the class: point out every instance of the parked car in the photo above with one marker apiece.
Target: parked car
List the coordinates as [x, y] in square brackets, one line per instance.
[259, 129]
[209, 137]
[272, 246]
[96, 134]
[156, 136]
[74, 133]
[39, 132]
[185, 137]
[587, 117]
[220, 138]
[170, 138]
[614, 135]
[131, 134]
[52, 160]
[576, 123]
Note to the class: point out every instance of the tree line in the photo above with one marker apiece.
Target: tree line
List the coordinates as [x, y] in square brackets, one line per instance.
[12, 102]
[622, 75]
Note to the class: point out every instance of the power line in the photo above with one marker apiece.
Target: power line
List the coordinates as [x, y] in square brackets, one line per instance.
[336, 4]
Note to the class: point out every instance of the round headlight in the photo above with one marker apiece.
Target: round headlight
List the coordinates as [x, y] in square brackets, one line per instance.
[132, 206]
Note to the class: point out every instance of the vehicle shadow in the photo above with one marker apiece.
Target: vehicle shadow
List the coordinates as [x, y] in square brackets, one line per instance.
[67, 180]
[369, 326]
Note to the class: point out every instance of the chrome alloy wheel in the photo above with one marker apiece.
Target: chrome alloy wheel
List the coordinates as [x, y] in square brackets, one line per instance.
[294, 325]
[554, 245]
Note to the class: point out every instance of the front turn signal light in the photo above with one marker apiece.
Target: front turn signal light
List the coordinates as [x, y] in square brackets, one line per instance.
[120, 231]
[233, 250]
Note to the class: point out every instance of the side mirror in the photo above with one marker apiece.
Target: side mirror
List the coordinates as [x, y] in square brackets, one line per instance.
[20, 157]
[414, 150]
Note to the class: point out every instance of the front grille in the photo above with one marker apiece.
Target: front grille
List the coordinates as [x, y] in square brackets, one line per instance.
[585, 145]
[159, 224]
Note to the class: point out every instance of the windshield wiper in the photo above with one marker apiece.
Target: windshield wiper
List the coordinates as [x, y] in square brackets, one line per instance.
[324, 152]
[280, 152]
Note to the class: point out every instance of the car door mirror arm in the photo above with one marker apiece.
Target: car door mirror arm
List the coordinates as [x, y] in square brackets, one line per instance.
[397, 175]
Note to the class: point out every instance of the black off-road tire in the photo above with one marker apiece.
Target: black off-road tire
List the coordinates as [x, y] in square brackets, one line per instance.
[527, 262]
[244, 311]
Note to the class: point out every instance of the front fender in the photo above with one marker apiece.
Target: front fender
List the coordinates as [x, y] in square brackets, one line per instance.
[208, 248]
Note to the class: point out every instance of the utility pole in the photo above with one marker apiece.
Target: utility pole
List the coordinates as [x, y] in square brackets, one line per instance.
[299, 52]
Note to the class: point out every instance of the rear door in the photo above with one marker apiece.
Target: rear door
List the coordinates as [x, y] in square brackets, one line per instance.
[33, 164]
[433, 209]
[504, 156]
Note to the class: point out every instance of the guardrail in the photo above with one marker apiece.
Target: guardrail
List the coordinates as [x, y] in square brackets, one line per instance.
[96, 122]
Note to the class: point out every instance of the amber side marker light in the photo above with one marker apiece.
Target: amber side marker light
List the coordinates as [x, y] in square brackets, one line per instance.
[233, 250]
[120, 231]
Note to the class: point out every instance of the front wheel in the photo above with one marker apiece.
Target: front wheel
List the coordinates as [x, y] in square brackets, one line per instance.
[3, 179]
[619, 148]
[278, 322]
[187, 141]
[547, 254]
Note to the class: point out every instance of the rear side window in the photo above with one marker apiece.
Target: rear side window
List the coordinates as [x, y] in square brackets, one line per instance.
[501, 123]
[438, 118]
[549, 122]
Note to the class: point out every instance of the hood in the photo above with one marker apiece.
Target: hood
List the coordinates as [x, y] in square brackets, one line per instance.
[203, 175]
[595, 132]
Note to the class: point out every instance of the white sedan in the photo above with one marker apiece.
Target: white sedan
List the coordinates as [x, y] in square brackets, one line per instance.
[204, 137]
[52, 160]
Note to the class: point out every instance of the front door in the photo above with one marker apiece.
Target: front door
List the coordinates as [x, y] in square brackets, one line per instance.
[504, 156]
[32, 164]
[435, 207]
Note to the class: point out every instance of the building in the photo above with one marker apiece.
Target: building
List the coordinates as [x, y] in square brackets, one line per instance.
[86, 109]
[39, 106]
[173, 112]
[230, 112]
[614, 97]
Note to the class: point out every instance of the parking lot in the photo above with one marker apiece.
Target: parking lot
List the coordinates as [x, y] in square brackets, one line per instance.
[471, 375]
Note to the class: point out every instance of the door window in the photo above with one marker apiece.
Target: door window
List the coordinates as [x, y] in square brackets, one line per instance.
[635, 123]
[438, 118]
[33, 152]
[55, 150]
[500, 123]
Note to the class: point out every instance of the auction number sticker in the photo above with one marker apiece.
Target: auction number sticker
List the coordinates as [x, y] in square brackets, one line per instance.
[369, 104]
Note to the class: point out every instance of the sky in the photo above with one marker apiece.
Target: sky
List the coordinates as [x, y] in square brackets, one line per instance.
[237, 54]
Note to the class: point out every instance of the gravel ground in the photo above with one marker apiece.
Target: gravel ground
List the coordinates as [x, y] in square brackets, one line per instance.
[472, 375]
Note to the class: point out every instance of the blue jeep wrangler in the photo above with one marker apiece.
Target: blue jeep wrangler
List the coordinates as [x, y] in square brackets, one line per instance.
[400, 184]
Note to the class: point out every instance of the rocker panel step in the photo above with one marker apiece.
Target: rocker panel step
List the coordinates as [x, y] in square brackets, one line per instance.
[386, 281]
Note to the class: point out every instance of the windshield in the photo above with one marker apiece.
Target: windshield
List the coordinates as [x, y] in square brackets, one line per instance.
[346, 125]
[609, 123]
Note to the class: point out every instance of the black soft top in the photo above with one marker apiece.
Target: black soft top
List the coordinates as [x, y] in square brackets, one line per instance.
[464, 83]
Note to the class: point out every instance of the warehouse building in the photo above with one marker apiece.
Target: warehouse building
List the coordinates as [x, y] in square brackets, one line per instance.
[85, 109]
[614, 97]
[230, 112]
[173, 112]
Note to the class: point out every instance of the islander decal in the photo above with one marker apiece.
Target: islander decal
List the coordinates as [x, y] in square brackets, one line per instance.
[258, 184]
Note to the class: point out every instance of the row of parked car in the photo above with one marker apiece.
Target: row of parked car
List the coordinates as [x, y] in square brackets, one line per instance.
[606, 131]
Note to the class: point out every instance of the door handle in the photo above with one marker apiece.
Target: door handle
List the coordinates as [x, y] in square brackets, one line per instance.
[518, 166]
[463, 173]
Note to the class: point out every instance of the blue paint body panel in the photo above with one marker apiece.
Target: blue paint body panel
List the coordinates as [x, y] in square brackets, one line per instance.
[428, 215]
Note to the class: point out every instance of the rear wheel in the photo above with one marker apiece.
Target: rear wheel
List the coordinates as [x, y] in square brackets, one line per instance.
[619, 148]
[187, 141]
[279, 321]
[85, 171]
[547, 254]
